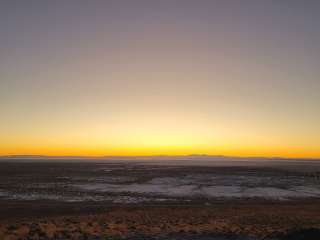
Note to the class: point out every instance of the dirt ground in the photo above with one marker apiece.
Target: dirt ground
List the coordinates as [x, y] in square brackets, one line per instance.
[52, 220]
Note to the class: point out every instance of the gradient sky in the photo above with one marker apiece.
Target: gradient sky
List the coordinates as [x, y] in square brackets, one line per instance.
[232, 77]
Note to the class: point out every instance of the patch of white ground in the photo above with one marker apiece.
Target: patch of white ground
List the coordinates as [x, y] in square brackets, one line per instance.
[195, 186]
[3, 194]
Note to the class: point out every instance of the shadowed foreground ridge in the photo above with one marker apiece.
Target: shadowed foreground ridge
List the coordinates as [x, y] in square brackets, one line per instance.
[225, 220]
[301, 234]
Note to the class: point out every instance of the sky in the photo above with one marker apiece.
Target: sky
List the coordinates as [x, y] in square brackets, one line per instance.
[220, 77]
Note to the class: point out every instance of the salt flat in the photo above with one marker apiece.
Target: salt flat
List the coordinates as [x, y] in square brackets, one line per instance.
[141, 181]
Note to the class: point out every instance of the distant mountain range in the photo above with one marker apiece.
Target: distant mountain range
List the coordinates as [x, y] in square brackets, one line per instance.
[202, 157]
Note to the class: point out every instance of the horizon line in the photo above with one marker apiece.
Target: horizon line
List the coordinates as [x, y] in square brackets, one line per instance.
[207, 156]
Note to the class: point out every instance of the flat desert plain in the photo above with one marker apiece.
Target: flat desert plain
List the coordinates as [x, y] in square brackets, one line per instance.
[117, 199]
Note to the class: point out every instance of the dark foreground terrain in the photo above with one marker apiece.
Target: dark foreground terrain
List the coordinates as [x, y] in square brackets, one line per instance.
[254, 220]
[143, 200]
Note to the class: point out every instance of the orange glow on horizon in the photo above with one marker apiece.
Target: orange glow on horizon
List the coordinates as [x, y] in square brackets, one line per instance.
[156, 151]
